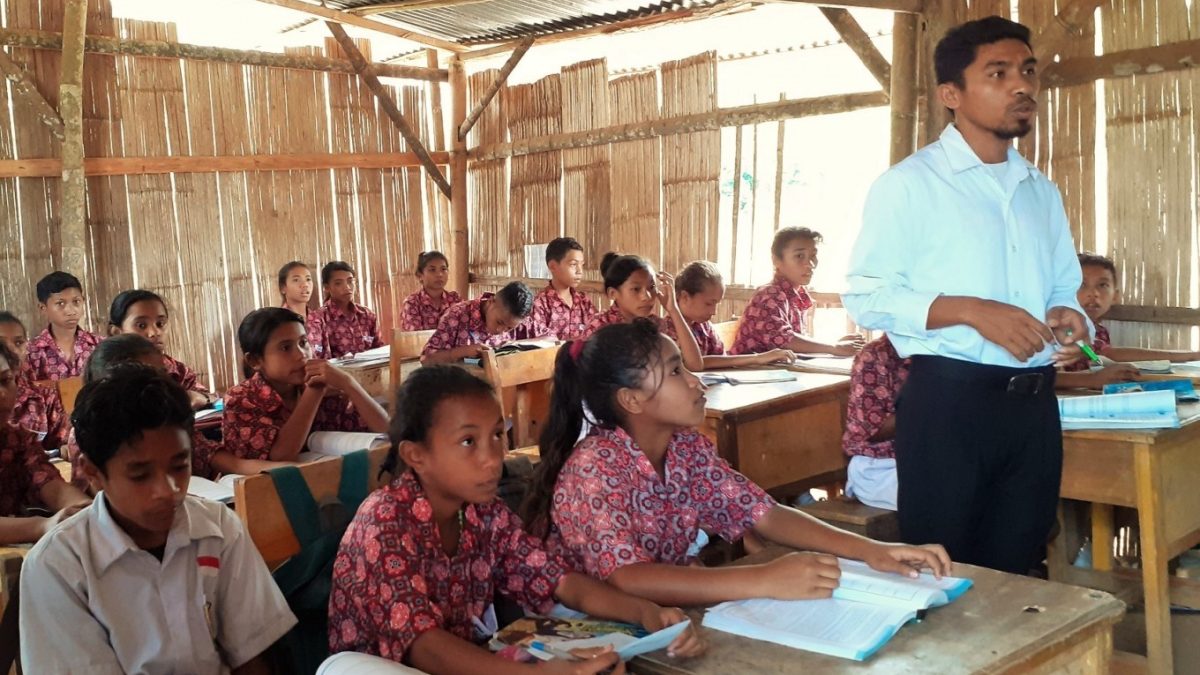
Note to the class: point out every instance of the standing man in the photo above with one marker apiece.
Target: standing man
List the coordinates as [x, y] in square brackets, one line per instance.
[966, 261]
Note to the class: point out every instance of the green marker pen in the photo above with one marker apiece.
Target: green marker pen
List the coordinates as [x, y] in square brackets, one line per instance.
[1087, 351]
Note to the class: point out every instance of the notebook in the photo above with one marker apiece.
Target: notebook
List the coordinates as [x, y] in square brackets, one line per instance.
[370, 357]
[1184, 390]
[1162, 367]
[1137, 410]
[212, 490]
[340, 443]
[824, 364]
[746, 376]
[866, 610]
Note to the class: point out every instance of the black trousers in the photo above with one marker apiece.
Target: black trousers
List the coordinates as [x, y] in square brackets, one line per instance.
[979, 460]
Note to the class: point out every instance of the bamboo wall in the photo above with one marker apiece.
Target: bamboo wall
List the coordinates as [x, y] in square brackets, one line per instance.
[211, 243]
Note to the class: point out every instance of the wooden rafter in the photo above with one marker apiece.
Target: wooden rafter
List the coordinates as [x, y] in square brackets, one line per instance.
[1159, 59]
[1067, 25]
[99, 44]
[360, 22]
[857, 40]
[410, 5]
[907, 6]
[26, 91]
[140, 166]
[494, 87]
[388, 105]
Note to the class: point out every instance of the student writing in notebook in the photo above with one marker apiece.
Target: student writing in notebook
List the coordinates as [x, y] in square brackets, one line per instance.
[287, 394]
[147, 579]
[425, 307]
[341, 326]
[38, 410]
[145, 313]
[635, 291]
[62, 348]
[777, 314]
[423, 559]
[560, 310]
[209, 458]
[27, 478]
[699, 289]
[468, 328]
[296, 287]
[626, 503]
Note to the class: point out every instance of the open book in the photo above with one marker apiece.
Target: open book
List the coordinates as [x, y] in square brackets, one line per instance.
[1139, 410]
[1184, 390]
[212, 490]
[547, 638]
[363, 359]
[338, 443]
[824, 364]
[746, 376]
[866, 610]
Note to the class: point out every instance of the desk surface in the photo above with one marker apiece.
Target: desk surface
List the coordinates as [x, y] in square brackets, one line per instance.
[724, 399]
[986, 630]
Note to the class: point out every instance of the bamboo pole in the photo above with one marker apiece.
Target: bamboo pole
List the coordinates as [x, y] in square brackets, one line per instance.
[26, 91]
[352, 20]
[722, 117]
[99, 44]
[458, 173]
[779, 140]
[1126, 63]
[737, 202]
[494, 87]
[904, 86]
[138, 166]
[73, 206]
[858, 41]
[1068, 24]
[388, 105]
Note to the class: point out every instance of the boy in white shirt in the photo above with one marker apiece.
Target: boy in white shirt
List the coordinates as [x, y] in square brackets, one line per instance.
[147, 579]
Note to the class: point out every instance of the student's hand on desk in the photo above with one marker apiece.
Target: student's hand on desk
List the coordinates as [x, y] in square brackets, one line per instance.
[1118, 372]
[909, 560]
[688, 644]
[775, 356]
[849, 345]
[593, 661]
[471, 352]
[800, 576]
[1011, 327]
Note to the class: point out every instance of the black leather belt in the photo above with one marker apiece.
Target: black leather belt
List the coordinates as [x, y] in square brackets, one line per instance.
[1014, 381]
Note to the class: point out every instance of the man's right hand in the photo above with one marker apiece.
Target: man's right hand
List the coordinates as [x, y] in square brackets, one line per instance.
[1017, 331]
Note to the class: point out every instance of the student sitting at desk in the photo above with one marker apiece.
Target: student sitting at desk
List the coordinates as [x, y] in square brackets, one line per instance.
[287, 394]
[626, 503]
[561, 310]
[468, 328]
[27, 478]
[424, 308]
[296, 287]
[340, 326]
[699, 288]
[876, 377]
[60, 350]
[147, 579]
[634, 289]
[38, 410]
[144, 313]
[423, 559]
[775, 317]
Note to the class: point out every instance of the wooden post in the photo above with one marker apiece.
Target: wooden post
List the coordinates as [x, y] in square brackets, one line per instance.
[904, 86]
[73, 204]
[387, 104]
[25, 90]
[460, 236]
[494, 87]
[939, 17]
[858, 41]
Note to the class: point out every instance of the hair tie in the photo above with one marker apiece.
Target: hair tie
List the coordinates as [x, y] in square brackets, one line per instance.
[576, 349]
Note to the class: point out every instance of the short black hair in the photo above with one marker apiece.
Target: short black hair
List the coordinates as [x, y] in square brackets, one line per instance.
[787, 235]
[958, 48]
[8, 317]
[335, 266]
[121, 406]
[255, 331]
[417, 401]
[517, 297]
[426, 257]
[287, 270]
[119, 309]
[1089, 258]
[696, 276]
[114, 350]
[56, 282]
[616, 268]
[558, 248]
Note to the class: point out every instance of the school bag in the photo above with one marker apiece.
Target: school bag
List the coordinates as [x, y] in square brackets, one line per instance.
[307, 577]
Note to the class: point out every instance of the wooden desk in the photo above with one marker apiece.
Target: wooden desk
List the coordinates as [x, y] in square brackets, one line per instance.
[375, 379]
[987, 630]
[782, 434]
[1158, 473]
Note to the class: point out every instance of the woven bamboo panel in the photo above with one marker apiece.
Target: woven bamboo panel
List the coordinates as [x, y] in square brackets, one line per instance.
[637, 171]
[487, 182]
[691, 166]
[535, 181]
[587, 205]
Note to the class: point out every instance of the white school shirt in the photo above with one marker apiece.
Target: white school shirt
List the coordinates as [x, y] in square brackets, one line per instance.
[943, 222]
[93, 602]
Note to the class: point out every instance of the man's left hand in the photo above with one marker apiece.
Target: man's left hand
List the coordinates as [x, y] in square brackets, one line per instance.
[1068, 325]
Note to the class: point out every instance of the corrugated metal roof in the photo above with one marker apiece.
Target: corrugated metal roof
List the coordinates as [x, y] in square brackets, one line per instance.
[498, 20]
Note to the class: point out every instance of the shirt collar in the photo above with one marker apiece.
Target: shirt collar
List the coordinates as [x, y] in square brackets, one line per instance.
[351, 310]
[624, 441]
[109, 542]
[962, 158]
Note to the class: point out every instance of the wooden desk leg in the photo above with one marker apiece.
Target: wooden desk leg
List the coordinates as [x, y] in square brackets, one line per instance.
[1155, 577]
[521, 430]
[1057, 557]
[1102, 537]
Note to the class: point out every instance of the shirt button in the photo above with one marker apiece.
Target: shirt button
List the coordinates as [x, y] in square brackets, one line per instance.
[1014, 247]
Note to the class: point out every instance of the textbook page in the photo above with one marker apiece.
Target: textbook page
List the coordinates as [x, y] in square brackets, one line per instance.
[1139, 410]
[825, 364]
[861, 583]
[746, 376]
[207, 489]
[368, 357]
[842, 628]
[340, 443]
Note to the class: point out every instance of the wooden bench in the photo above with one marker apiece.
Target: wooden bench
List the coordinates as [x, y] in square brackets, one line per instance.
[528, 375]
[853, 515]
[406, 346]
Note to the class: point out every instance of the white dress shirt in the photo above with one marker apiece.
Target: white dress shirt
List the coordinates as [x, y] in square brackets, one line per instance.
[942, 223]
[93, 602]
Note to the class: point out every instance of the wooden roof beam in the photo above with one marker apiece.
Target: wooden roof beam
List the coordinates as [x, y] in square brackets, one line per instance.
[26, 91]
[1067, 25]
[388, 105]
[857, 39]
[1146, 61]
[410, 5]
[358, 21]
[906, 6]
[494, 87]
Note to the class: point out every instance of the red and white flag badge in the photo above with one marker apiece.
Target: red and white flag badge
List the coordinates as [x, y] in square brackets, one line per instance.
[210, 565]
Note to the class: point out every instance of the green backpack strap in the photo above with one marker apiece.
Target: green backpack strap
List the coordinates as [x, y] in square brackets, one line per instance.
[298, 503]
[352, 490]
